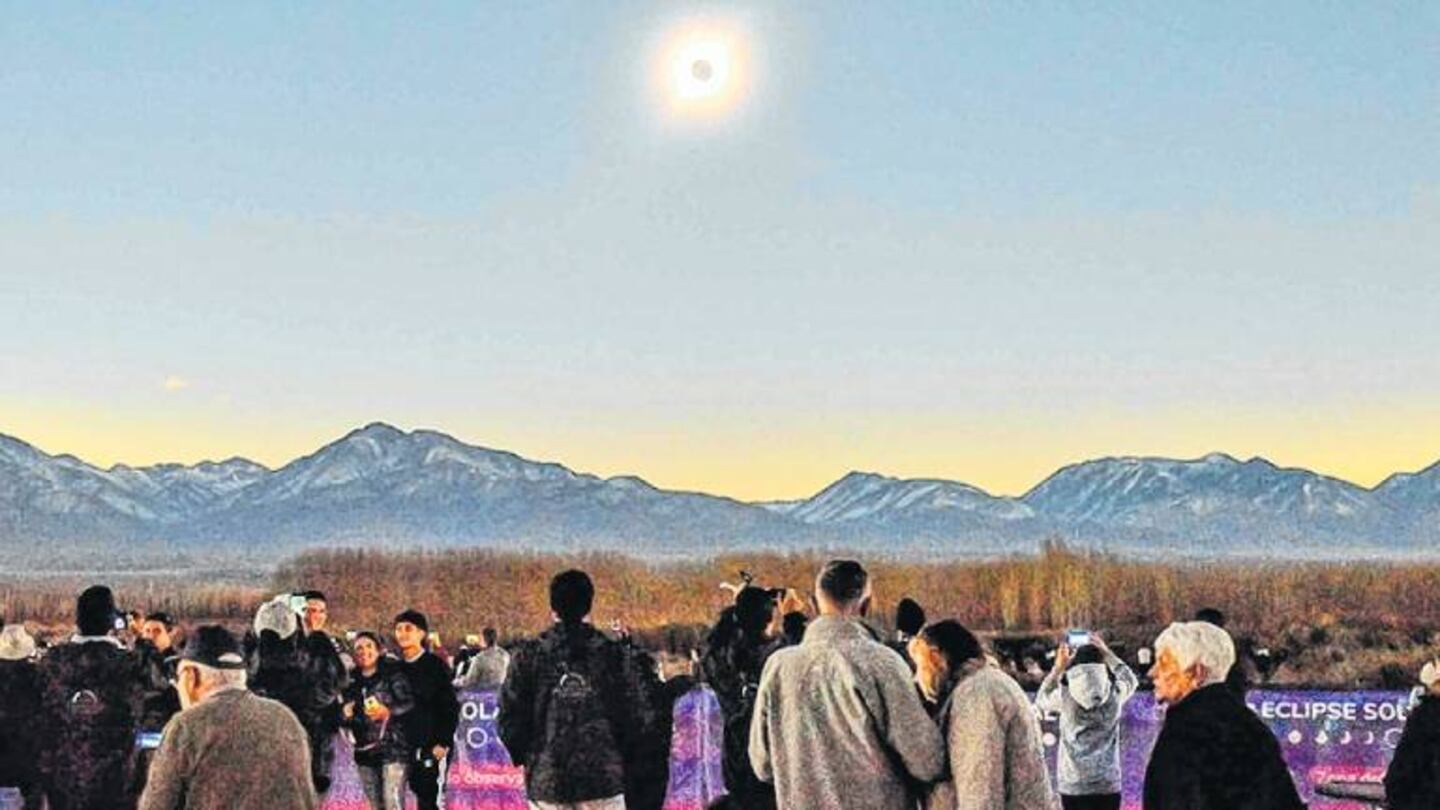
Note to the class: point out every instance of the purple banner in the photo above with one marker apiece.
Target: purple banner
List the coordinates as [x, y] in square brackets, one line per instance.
[696, 750]
[1324, 736]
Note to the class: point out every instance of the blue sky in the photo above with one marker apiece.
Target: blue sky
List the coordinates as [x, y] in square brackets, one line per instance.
[964, 240]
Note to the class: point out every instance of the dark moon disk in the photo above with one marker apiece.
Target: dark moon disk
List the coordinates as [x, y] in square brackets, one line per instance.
[702, 70]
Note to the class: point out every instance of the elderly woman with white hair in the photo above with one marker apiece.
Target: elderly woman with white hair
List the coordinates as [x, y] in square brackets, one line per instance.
[1213, 753]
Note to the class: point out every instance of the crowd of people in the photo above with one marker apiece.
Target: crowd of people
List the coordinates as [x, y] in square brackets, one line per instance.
[818, 712]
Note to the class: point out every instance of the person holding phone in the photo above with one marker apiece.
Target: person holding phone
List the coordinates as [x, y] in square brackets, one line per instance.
[1088, 688]
[374, 703]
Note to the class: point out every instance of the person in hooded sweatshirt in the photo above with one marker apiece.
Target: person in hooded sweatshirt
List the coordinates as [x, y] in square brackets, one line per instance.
[735, 656]
[92, 694]
[19, 693]
[1088, 688]
[1412, 781]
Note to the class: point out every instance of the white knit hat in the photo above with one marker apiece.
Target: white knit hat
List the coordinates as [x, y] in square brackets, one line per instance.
[15, 643]
[277, 617]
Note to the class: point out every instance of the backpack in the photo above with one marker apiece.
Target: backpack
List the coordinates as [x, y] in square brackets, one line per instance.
[91, 699]
[578, 751]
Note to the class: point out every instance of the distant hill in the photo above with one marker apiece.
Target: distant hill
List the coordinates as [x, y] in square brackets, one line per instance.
[386, 487]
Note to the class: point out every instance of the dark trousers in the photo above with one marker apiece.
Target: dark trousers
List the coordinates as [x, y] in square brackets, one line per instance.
[322, 755]
[1104, 801]
[424, 781]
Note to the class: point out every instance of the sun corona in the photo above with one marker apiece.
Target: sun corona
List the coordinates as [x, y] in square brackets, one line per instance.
[701, 71]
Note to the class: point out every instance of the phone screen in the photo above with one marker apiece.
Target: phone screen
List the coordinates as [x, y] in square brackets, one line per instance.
[148, 739]
[1078, 638]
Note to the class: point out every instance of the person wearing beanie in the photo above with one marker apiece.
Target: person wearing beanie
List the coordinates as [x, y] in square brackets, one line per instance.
[19, 694]
[1412, 781]
[574, 712]
[735, 655]
[1088, 688]
[430, 724]
[92, 695]
[228, 748]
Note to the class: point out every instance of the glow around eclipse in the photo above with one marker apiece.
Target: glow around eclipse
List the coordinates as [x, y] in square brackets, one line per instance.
[701, 71]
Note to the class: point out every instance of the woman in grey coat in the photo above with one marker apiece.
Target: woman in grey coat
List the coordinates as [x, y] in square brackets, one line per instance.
[991, 733]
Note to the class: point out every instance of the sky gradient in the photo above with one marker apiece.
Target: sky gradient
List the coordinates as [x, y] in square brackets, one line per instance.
[943, 239]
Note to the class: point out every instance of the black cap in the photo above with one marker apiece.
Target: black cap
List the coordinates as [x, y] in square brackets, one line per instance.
[214, 646]
[414, 617]
[162, 617]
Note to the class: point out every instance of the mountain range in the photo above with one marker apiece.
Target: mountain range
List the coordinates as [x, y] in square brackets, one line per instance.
[381, 486]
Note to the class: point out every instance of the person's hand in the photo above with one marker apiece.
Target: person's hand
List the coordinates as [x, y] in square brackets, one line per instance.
[1099, 642]
[1062, 657]
[348, 710]
[439, 752]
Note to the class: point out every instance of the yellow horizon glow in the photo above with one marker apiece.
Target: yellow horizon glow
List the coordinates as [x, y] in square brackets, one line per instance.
[782, 459]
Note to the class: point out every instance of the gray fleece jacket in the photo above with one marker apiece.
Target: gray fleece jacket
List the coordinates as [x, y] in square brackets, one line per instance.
[838, 724]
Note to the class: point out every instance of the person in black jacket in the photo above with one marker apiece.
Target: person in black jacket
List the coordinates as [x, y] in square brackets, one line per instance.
[376, 703]
[19, 694]
[1413, 780]
[573, 712]
[325, 673]
[735, 655]
[161, 703]
[1213, 753]
[430, 725]
[92, 691]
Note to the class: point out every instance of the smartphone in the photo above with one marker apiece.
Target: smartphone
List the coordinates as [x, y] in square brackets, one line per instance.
[148, 740]
[1077, 638]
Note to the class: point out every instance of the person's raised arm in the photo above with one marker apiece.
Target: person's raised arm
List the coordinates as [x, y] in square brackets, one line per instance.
[1125, 681]
[1048, 698]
